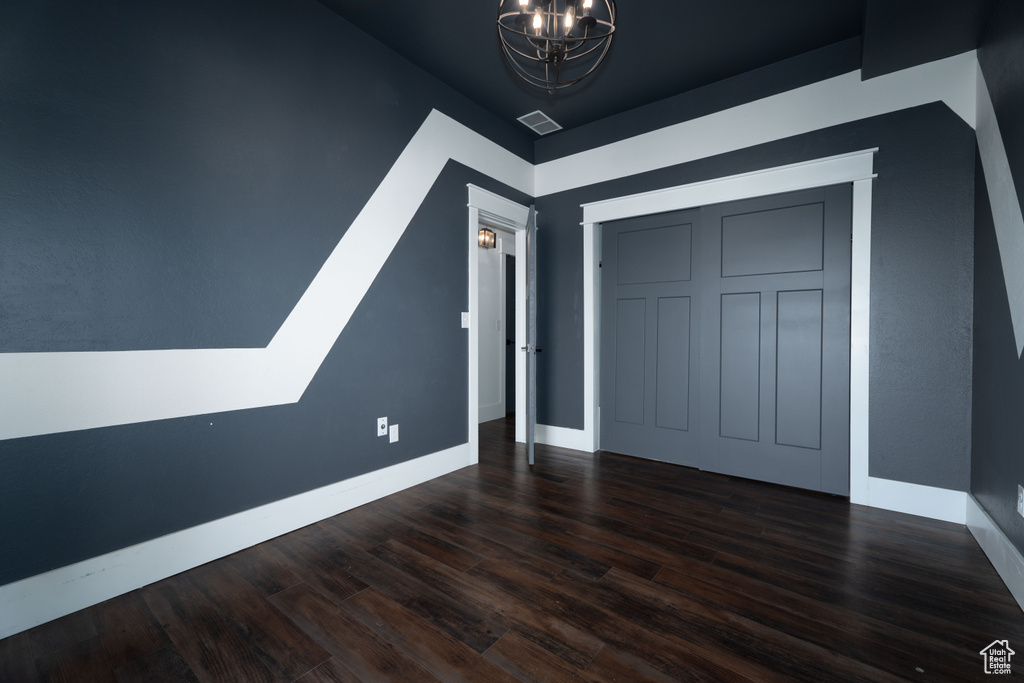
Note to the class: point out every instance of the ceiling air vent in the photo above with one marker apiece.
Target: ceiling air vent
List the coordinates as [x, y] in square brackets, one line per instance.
[539, 122]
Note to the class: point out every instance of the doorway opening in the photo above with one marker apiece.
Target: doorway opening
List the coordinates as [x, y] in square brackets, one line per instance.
[497, 312]
[511, 218]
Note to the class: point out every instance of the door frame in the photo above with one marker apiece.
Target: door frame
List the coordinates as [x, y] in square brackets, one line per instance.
[488, 207]
[855, 167]
[506, 249]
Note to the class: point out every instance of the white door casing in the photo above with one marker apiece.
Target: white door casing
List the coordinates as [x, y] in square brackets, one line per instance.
[485, 206]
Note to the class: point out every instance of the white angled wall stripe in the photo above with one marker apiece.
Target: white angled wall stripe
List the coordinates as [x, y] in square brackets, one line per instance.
[1006, 210]
[45, 393]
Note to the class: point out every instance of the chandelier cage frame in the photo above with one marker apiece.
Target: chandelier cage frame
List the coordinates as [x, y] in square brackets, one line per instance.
[545, 50]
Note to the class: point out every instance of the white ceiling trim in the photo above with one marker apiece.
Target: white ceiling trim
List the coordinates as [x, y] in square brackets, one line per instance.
[817, 106]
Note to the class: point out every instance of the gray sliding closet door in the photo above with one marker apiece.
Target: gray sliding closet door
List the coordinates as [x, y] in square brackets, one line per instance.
[649, 358]
[725, 338]
[775, 365]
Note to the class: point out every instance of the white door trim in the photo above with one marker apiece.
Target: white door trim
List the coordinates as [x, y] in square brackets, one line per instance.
[491, 208]
[855, 167]
[506, 247]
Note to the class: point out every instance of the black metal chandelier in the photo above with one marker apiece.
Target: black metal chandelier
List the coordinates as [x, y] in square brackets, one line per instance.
[552, 44]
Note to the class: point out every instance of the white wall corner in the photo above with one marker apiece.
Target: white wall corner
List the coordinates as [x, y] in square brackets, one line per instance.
[1006, 559]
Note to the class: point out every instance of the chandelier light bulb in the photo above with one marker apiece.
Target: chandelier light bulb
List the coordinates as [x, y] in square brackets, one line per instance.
[568, 19]
[537, 20]
[523, 4]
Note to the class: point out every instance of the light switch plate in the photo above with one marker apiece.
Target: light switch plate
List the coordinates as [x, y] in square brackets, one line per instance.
[465, 319]
[382, 426]
[1020, 500]
[393, 434]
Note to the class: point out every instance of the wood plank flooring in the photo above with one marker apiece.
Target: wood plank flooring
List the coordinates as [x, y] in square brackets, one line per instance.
[587, 568]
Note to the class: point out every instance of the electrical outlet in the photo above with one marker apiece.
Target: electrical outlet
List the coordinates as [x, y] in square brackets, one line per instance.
[393, 434]
[382, 426]
[1020, 500]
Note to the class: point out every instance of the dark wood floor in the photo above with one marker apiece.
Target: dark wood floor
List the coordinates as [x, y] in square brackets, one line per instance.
[592, 568]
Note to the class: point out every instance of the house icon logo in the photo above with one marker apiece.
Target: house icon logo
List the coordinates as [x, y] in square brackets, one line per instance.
[997, 657]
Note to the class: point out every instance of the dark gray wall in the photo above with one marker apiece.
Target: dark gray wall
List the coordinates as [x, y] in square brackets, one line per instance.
[173, 175]
[1001, 55]
[998, 431]
[899, 35]
[921, 284]
[243, 138]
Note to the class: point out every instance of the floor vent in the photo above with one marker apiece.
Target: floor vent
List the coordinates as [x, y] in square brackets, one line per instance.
[539, 122]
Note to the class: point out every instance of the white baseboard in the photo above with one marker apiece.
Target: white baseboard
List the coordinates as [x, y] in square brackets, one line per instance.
[490, 412]
[914, 499]
[1001, 553]
[563, 437]
[44, 597]
[38, 599]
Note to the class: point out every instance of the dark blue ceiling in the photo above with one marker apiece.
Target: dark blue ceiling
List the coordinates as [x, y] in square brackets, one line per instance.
[665, 47]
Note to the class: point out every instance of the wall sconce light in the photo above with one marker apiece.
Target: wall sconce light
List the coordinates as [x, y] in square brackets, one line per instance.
[486, 239]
